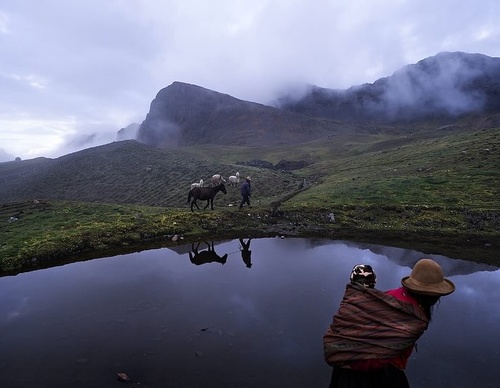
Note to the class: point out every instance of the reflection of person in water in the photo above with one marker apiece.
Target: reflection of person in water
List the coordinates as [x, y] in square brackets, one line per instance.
[246, 253]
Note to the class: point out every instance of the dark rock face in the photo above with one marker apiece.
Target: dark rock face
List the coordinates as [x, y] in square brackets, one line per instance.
[283, 165]
[183, 114]
[288, 165]
[447, 85]
[442, 88]
[257, 163]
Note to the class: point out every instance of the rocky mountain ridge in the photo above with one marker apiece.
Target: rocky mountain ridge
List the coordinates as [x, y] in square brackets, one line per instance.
[445, 86]
[186, 115]
[442, 89]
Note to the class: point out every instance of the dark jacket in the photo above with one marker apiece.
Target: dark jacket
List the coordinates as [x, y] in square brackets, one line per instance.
[246, 189]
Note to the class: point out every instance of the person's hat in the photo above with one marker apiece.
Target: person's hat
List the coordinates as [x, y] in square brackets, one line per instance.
[364, 275]
[427, 278]
[248, 178]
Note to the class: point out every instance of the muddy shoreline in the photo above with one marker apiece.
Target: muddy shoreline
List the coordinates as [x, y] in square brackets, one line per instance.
[481, 248]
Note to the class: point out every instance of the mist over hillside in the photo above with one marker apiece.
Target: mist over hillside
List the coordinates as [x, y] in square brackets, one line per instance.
[443, 88]
[128, 133]
[5, 156]
[186, 115]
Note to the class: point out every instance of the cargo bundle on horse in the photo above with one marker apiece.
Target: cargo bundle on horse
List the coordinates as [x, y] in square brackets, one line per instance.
[204, 193]
[197, 184]
[217, 179]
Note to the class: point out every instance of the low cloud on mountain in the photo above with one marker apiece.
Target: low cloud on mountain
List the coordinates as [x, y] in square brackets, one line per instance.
[445, 85]
[4, 156]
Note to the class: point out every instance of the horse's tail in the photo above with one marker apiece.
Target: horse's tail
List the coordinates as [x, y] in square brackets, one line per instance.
[190, 194]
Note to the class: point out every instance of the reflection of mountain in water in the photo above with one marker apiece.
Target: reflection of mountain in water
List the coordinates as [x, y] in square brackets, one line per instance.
[400, 256]
[408, 258]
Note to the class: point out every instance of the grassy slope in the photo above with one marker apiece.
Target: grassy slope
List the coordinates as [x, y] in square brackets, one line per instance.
[130, 173]
[447, 184]
[455, 170]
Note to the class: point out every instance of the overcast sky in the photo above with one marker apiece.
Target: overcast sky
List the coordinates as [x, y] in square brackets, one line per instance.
[73, 72]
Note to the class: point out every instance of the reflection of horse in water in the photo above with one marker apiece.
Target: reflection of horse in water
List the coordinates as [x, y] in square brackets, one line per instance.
[208, 256]
[246, 253]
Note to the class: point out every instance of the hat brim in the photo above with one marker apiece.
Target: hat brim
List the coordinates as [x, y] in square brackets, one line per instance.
[446, 287]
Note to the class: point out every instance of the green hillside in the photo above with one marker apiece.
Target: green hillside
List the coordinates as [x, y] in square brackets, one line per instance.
[453, 170]
[423, 189]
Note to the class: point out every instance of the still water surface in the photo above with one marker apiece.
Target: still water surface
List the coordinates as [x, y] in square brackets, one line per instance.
[254, 321]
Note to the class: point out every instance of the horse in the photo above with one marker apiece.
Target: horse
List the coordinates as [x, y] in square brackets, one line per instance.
[204, 193]
[197, 184]
[234, 179]
[217, 179]
[208, 256]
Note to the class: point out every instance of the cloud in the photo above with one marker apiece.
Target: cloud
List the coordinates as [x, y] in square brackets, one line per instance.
[5, 157]
[104, 62]
[434, 86]
[161, 133]
[4, 23]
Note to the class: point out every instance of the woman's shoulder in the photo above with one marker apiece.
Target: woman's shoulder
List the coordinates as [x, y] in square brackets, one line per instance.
[403, 295]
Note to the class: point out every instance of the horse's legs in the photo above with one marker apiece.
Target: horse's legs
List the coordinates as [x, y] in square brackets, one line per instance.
[195, 204]
[208, 203]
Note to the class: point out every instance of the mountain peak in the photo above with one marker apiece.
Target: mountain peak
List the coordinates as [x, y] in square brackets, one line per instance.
[449, 84]
[443, 87]
[184, 114]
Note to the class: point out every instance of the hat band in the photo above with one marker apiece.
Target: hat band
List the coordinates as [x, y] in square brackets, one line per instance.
[444, 287]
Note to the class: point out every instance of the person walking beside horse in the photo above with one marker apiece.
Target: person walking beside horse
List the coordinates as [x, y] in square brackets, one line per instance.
[246, 192]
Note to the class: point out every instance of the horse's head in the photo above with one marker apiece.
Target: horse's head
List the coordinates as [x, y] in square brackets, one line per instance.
[223, 259]
[223, 188]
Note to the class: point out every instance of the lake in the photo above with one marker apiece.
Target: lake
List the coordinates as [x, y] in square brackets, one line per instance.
[167, 319]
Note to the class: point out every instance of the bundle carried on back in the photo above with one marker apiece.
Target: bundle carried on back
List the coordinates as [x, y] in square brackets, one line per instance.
[371, 324]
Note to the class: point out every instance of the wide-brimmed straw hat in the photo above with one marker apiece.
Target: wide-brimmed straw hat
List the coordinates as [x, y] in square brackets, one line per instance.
[427, 278]
[248, 178]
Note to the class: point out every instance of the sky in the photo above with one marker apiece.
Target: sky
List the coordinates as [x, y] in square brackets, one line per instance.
[72, 72]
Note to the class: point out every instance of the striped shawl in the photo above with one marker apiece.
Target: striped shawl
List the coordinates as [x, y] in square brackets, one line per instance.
[371, 324]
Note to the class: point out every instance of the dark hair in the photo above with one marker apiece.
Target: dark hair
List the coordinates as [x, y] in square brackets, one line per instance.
[427, 302]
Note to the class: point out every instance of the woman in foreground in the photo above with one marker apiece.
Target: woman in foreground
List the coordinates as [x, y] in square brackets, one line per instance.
[373, 332]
